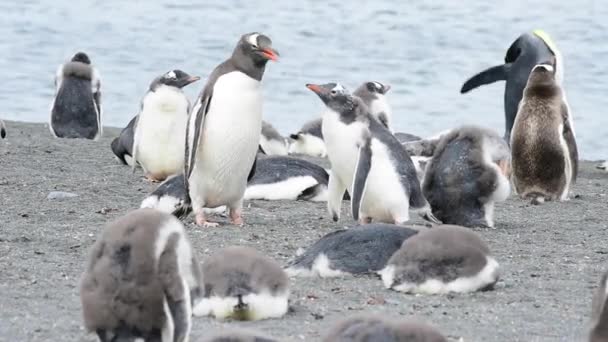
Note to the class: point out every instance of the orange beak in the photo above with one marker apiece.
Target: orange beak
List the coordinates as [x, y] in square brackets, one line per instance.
[314, 88]
[270, 54]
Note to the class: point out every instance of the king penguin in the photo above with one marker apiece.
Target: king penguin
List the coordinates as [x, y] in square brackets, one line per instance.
[224, 128]
[76, 108]
[525, 52]
[368, 161]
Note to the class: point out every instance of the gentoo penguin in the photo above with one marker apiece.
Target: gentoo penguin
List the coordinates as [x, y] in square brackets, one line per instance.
[599, 314]
[76, 108]
[544, 152]
[368, 161]
[271, 141]
[440, 260]
[224, 128]
[373, 95]
[141, 280]
[241, 283]
[366, 328]
[2, 129]
[309, 140]
[468, 173]
[122, 146]
[525, 52]
[169, 197]
[359, 250]
[603, 166]
[160, 129]
[240, 335]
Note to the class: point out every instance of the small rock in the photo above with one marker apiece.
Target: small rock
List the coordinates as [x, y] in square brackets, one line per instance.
[317, 316]
[104, 211]
[59, 195]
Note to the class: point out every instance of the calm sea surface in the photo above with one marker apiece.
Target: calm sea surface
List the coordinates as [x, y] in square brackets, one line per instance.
[424, 49]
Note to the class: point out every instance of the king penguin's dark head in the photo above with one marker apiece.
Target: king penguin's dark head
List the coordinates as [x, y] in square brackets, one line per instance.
[81, 57]
[174, 78]
[334, 95]
[254, 49]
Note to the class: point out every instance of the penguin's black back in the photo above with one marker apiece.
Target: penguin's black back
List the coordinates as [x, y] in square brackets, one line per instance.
[74, 114]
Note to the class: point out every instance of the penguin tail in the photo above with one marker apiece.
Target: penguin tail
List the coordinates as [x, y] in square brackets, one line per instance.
[490, 75]
[182, 210]
[312, 192]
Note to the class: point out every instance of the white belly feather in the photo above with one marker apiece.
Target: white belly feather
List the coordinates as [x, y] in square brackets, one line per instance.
[341, 145]
[229, 141]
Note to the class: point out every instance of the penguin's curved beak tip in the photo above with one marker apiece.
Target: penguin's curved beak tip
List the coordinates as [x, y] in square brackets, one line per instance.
[271, 54]
[387, 87]
[313, 87]
[193, 79]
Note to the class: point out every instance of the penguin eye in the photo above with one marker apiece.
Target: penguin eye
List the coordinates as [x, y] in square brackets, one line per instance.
[254, 46]
[333, 92]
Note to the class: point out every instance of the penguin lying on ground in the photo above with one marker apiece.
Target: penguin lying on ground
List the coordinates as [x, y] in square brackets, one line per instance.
[155, 137]
[367, 328]
[308, 140]
[271, 141]
[599, 314]
[440, 260]
[603, 166]
[358, 250]
[76, 107]
[141, 280]
[224, 128]
[243, 284]
[2, 129]
[525, 52]
[368, 161]
[468, 173]
[240, 336]
[543, 143]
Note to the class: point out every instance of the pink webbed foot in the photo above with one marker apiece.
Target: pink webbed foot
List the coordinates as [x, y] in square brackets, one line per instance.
[202, 221]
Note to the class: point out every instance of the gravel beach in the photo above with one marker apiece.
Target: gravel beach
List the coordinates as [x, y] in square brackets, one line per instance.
[551, 255]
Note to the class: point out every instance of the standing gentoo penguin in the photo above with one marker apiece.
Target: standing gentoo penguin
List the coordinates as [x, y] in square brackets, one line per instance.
[373, 95]
[271, 141]
[2, 129]
[358, 250]
[525, 52]
[599, 314]
[544, 153]
[160, 129]
[76, 108]
[468, 173]
[141, 280]
[243, 284]
[309, 140]
[440, 260]
[368, 161]
[224, 129]
[367, 328]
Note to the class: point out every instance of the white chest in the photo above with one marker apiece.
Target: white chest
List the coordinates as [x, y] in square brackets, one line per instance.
[380, 105]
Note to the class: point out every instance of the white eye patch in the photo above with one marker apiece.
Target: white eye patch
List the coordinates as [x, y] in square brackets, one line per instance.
[253, 39]
[339, 88]
[378, 85]
[170, 74]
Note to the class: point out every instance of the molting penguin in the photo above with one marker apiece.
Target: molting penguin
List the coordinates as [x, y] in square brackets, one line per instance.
[364, 328]
[599, 314]
[224, 128]
[468, 173]
[160, 129]
[241, 283]
[309, 140]
[2, 129]
[141, 280]
[359, 250]
[76, 108]
[441, 260]
[271, 141]
[367, 160]
[544, 152]
[525, 52]
[373, 95]
[240, 336]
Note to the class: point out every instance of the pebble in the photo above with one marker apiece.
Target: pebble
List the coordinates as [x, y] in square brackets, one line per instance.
[58, 195]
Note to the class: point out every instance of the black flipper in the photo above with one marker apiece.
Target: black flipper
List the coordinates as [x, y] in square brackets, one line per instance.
[123, 144]
[491, 75]
[252, 171]
[364, 164]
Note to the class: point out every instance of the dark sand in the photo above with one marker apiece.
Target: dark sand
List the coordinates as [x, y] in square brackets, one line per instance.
[551, 255]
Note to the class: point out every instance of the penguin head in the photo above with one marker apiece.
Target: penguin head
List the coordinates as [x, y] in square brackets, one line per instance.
[334, 95]
[256, 47]
[176, 78]
[81, 57]
[377, 87]
[543, 73]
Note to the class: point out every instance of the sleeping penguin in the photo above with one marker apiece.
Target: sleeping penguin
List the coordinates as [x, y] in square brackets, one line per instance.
[368, 161]
[243, 284]
[271, 141]
[440, 260]
[76, 108]
[468, 173]
[359, 250]
[308, 140]
[141, 280]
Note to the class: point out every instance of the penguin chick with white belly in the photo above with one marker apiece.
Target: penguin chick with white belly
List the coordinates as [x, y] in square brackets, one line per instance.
[141, 280]
[367, 328]
[468, 173]
[359, 250]
[544, 152]
[441, 260]
[243, 284]
[224, 128]
[599, 314]
[271, 141]
[76, 107]
[309, 140]
[373, 95]
[368, 161]
[160, 129]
